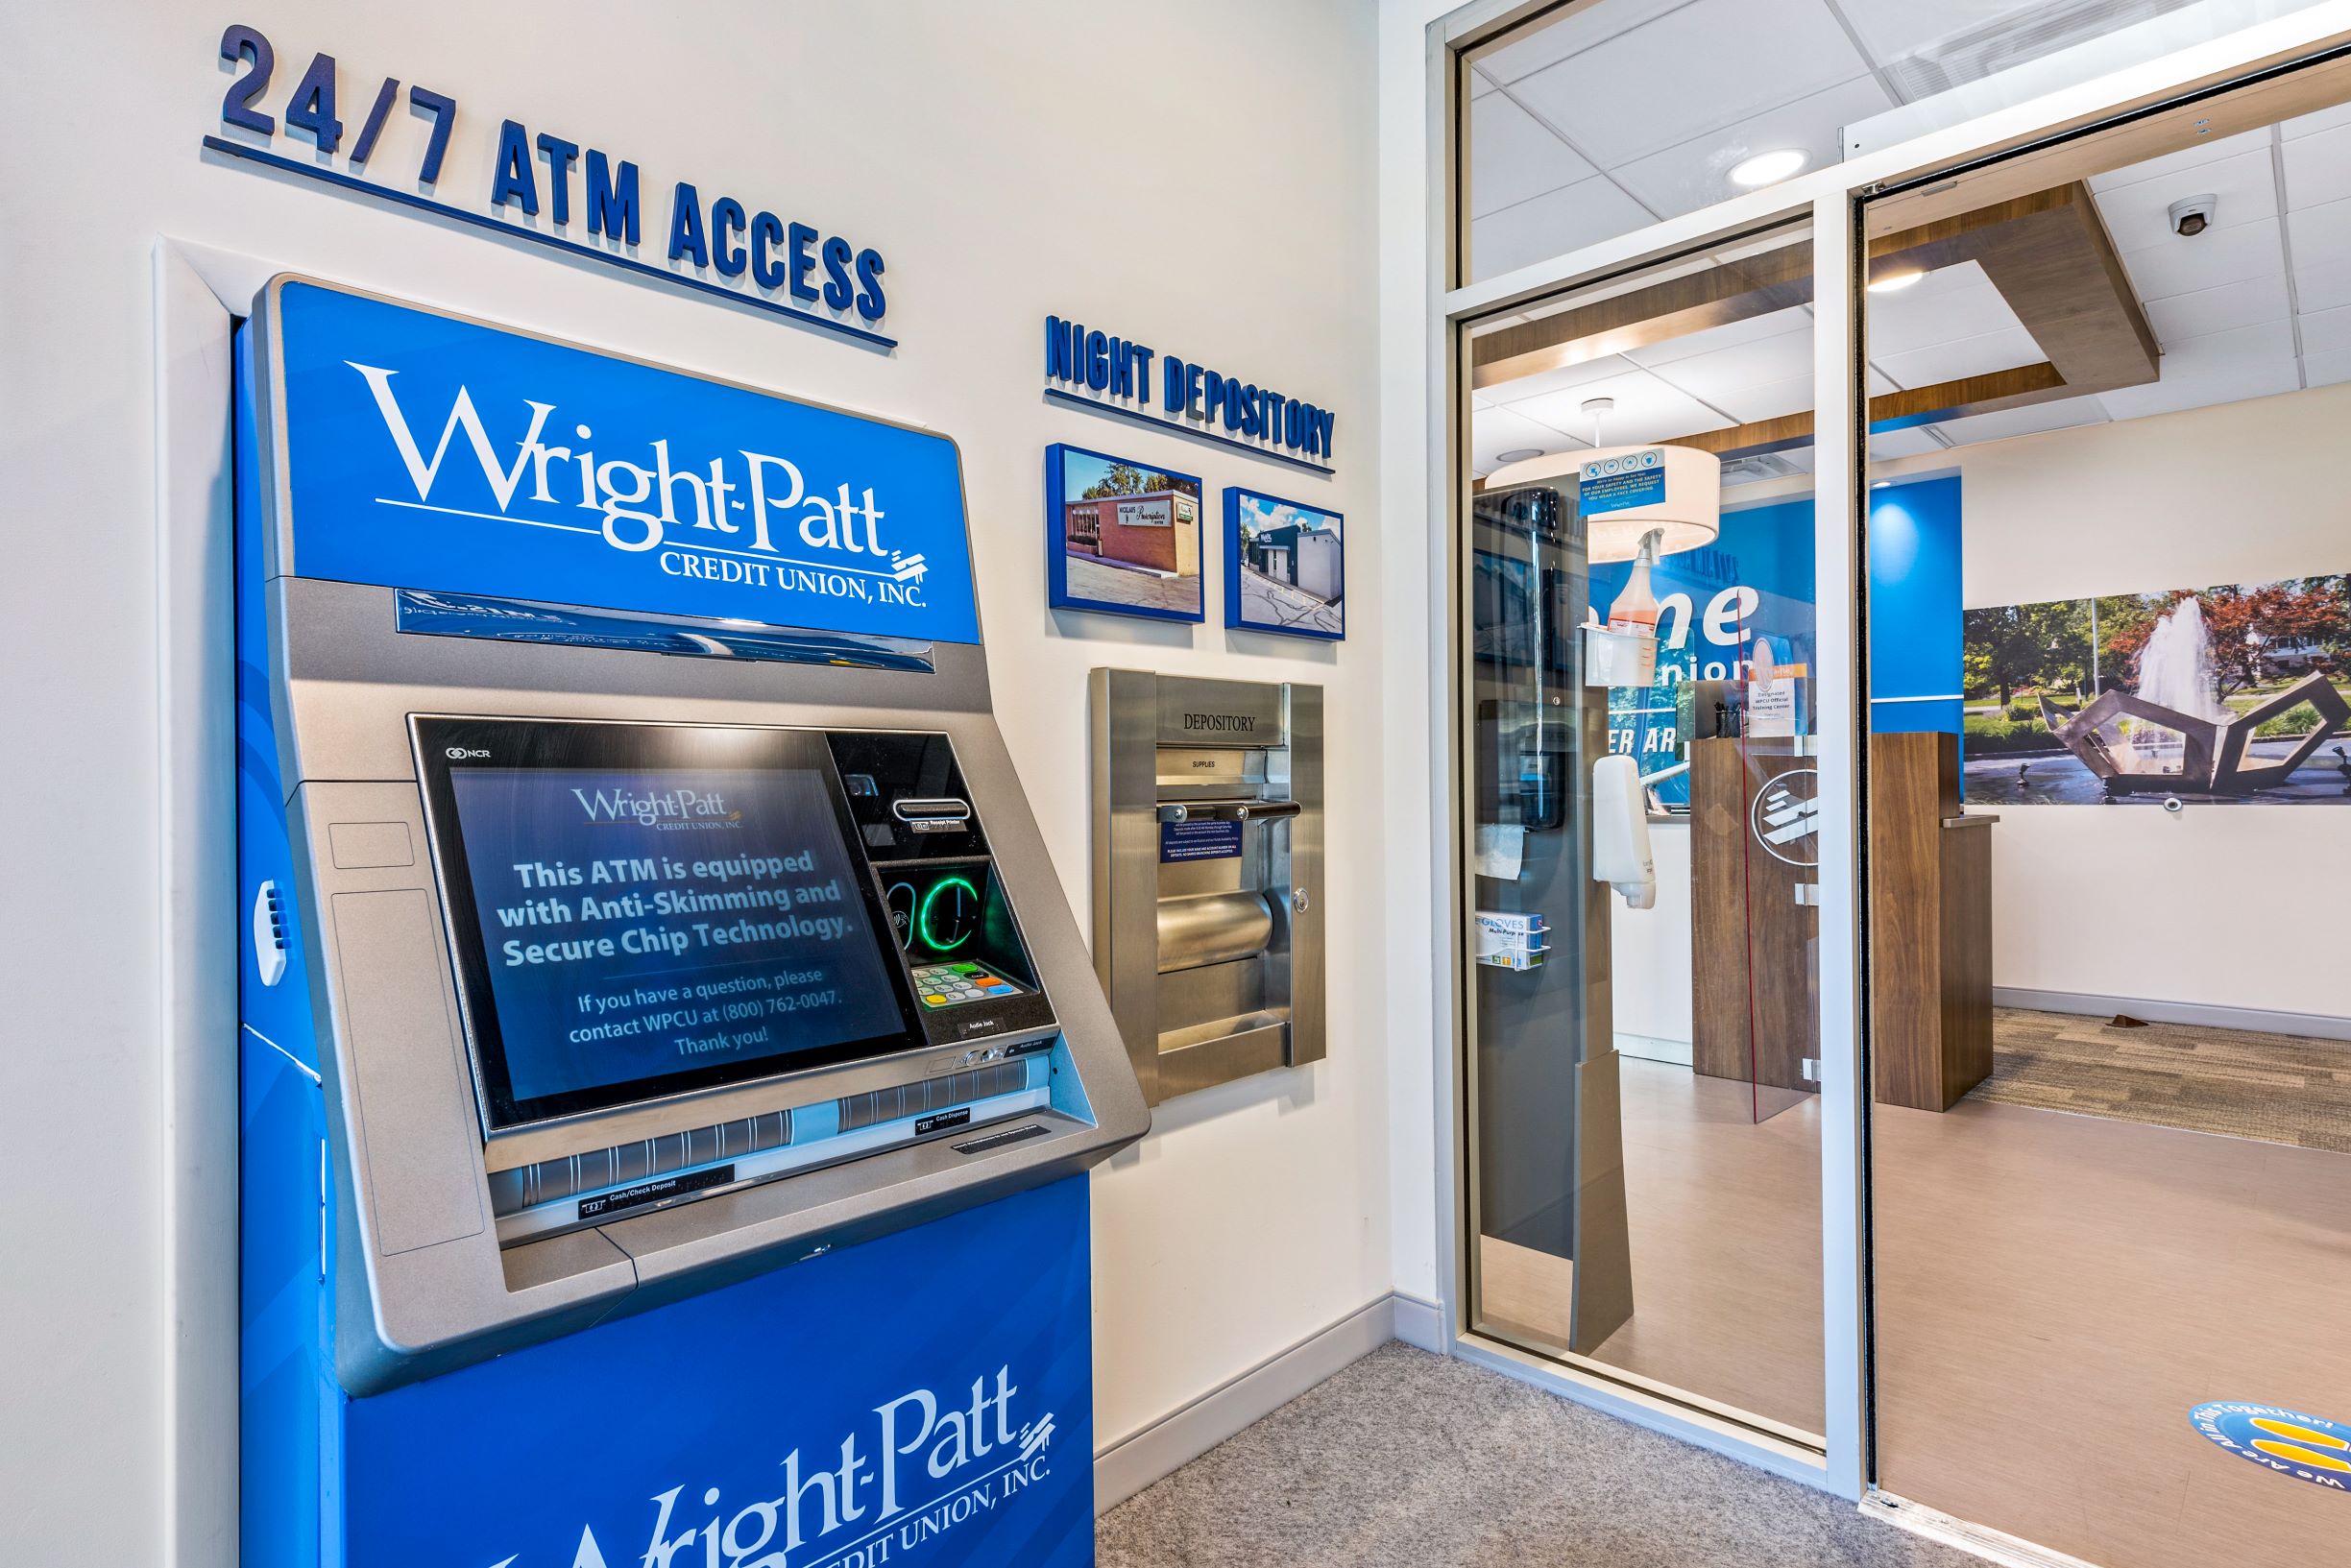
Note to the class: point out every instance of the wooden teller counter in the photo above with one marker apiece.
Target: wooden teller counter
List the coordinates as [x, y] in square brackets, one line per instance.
[1754, 888]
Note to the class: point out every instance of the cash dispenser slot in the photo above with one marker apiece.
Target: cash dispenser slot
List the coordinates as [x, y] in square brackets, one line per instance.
[1207, 817]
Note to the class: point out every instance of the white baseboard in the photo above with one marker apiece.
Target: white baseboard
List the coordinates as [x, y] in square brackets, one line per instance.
[1420, 1324]
[2311, 1026]
[1135, 1461]
[1975, 1540]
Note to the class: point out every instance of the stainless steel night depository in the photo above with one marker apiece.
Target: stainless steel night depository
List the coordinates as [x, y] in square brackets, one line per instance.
[479, 1208]
[1207, 863]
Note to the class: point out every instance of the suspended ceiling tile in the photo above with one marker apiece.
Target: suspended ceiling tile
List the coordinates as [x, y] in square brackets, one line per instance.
[1567, 377]
[1696, 173]
[2321, 285]
[1764, 400]
[2317, 168]
[1912, 441]
[2138, 215]
[2186, 159]
[1493, 431]
[2207, 260]
[2325, 370]
[1978, 355]
[1550, 224]
[1709, 64]
[2064, 413]
[1773, 356]
[2231, 305]
[1512, 157]
[1647, 409]
[2326, 331]
[2216, 368]
[1570, 34]
[2322, 236]
[1933, 311]
[1891, 29]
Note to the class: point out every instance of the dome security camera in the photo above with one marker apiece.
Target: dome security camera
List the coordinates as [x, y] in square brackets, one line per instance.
[2192, 215]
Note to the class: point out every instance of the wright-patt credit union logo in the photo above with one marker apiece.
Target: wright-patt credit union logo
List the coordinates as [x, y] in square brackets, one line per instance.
[2284, 1443]
[1785, 818]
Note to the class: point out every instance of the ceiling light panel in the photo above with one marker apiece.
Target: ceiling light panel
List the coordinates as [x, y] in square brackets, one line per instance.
[1697, 173]
[1709, 64]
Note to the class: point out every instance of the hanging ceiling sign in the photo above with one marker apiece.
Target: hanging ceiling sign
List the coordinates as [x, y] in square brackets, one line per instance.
[545, 190]
[1094, 370]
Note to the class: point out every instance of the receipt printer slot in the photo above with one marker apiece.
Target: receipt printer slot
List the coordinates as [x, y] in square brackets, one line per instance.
[1207, 818]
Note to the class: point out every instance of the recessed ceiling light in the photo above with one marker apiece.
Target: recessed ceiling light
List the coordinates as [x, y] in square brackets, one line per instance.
[1880, 484]
[1895, 283]
[1769, 168]
[1519, 455]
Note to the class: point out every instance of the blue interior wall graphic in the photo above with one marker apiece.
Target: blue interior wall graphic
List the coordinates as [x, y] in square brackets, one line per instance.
[1756, 581]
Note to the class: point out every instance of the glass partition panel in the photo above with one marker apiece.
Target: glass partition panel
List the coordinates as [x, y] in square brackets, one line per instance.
[1637, 644]
[2110, 826]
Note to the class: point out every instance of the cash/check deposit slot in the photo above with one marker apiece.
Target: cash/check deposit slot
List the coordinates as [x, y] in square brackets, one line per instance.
[1207, 818]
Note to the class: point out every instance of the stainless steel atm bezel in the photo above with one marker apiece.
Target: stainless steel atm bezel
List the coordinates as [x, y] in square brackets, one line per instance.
[422, 1281]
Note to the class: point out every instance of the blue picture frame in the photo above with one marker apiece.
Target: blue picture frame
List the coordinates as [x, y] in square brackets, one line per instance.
[1128, 578]
[1281, 591]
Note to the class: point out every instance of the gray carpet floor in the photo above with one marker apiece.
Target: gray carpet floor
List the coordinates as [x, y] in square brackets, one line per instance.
[1407, 1457]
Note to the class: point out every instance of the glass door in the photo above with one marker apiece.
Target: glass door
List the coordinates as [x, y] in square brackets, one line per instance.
[1636, 632]
[2110, 832]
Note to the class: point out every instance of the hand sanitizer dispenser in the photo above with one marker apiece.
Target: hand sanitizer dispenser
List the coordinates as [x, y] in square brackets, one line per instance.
[1620, 831]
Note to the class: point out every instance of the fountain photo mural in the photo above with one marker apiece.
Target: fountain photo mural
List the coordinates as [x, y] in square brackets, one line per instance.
[2234, 693]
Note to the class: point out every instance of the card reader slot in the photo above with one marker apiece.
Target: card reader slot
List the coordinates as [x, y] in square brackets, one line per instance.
[514, 1191]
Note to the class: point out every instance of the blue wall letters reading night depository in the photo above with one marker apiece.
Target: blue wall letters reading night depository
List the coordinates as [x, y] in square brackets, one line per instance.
[1121, 372]
[546, 190]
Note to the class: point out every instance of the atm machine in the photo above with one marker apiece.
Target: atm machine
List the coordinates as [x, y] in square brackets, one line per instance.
[667, 1060]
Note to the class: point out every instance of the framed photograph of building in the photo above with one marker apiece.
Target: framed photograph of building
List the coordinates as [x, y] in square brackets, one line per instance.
[1285, 566]
[1122, 537]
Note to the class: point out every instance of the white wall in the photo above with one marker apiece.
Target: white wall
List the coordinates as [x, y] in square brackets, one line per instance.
[1412, 661]
[968, 143]
[2236, 906]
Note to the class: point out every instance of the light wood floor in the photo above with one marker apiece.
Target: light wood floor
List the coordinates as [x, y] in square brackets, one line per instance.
[2057, 1291]
[1724, 1224]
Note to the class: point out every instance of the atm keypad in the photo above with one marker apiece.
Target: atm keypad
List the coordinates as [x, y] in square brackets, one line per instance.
[947, 985]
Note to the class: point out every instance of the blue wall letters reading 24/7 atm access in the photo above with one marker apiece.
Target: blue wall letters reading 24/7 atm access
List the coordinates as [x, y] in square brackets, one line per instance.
[427, 451]
[1119, 376]
[546, 190]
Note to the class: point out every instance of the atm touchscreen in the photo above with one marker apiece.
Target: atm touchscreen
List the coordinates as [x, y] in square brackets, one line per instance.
[644, 909]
